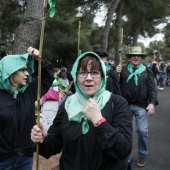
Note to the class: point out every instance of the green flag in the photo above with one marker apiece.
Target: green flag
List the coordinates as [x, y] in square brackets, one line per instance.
[79, 52]
[121, 52]
[3, 47]
[51, 10]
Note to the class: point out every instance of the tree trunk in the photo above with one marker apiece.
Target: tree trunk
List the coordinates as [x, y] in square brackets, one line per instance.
[119, 32]
[28, 33]
[137, 31]
[105, 32]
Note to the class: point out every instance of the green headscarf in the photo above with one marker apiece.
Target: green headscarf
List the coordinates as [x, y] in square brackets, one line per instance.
[74, 104]
[10, 64]
[139, 70]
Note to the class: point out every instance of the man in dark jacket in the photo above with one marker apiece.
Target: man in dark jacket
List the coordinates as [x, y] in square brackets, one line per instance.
[138, 88]
[3, 52]
[112, 83]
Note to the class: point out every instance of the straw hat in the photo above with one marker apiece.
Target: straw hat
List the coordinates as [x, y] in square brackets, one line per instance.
[136, 50]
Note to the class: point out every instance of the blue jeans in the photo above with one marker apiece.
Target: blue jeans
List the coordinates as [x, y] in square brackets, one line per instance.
[157, 80]
[161, 81]
[17, 162]
[141, 119]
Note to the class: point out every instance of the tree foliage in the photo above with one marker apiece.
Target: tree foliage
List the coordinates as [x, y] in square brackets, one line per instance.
[61, 32]
[143, 16]
[10, 13]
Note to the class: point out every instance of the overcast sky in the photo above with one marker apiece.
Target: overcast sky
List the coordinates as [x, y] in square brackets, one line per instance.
[146, 41]
[158, 37]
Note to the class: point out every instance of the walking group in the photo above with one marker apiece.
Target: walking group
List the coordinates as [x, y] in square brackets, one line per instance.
[86, 116]
[161, 74]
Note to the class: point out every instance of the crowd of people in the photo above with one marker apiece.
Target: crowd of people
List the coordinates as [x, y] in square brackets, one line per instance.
[57, 93]
[87, 115]
[92, 125]
[161, 73]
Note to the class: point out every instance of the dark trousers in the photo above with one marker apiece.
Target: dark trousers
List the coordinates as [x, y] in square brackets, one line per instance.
[17, 162]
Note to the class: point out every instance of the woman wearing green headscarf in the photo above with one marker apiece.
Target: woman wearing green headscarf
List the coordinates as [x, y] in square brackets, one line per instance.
[92, 127]
[17, 108]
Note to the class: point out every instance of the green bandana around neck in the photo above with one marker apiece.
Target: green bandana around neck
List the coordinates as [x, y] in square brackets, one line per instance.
[10, 64]
[139, 70]
[74, 105]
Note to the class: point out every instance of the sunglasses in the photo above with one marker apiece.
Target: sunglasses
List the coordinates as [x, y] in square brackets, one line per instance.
[137, 55]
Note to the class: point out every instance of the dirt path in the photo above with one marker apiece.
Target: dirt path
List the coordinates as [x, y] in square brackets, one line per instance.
[47, 164]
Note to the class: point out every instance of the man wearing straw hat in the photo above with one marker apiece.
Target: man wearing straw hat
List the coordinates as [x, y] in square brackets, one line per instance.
[137, 87]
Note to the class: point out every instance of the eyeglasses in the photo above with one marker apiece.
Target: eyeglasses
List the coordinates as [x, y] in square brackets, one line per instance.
[24, 70]
[94, 74]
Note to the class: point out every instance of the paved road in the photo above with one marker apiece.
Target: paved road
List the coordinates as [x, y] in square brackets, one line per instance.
[159, 136]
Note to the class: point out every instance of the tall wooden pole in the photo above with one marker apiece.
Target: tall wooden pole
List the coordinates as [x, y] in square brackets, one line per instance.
[39, 76]
[121, 46]
[79, 37]
[120, 51]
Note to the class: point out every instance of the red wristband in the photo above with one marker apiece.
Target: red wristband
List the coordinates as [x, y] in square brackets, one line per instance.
[99, 122]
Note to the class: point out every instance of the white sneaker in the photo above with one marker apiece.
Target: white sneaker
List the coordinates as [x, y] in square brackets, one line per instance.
[141, 161]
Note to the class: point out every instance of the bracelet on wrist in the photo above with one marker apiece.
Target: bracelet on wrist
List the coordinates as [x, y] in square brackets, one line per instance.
[99, 122]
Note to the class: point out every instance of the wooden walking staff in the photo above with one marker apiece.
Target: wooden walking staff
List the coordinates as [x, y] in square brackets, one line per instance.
[121, 45]
[39, 77]
[79, 51]
[120, 50]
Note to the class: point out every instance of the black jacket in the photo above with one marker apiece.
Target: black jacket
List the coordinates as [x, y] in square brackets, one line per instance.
[17, 116]
[112, 83]
[105, 147]
[141, 95]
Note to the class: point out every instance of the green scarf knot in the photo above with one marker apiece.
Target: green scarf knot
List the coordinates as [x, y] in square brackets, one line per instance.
[139, 70]
[15, 93]
[85, 126]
